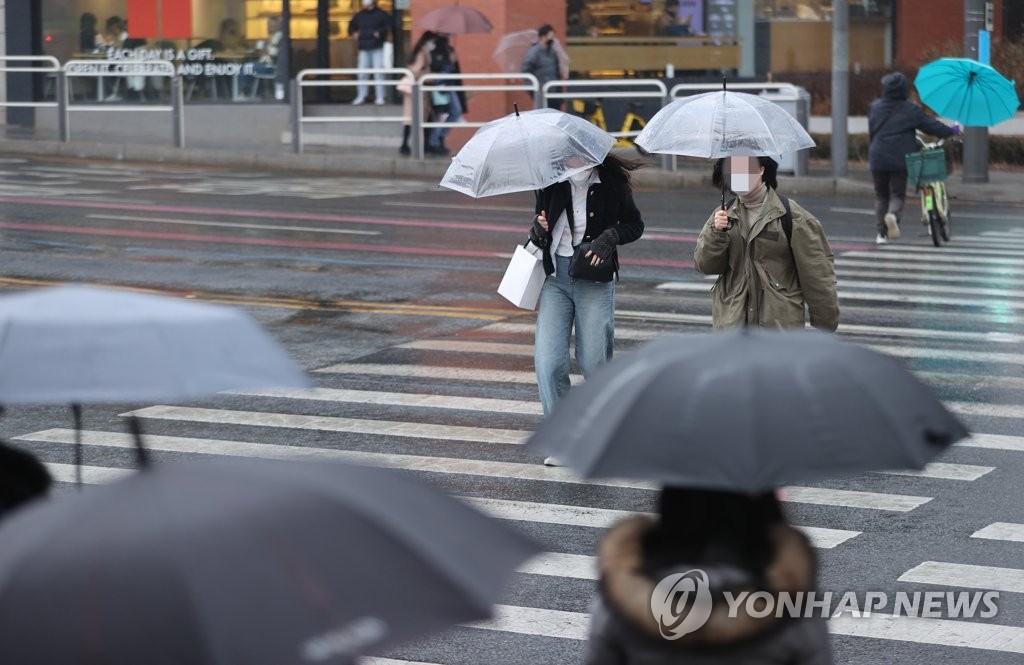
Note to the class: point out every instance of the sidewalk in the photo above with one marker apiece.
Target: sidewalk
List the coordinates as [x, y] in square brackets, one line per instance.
[359, 159]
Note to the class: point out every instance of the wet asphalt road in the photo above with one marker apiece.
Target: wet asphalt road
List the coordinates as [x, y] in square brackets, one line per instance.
[348, 271]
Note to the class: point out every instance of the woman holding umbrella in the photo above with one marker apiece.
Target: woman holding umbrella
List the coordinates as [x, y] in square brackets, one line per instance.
[593, 206]
[772, 257]
[723, 541]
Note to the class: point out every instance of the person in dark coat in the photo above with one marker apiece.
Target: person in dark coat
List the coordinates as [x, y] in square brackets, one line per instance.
[22, 478]
[595, 205]
[738, 543]
[892, 122]
[371, 25]
[541, 60]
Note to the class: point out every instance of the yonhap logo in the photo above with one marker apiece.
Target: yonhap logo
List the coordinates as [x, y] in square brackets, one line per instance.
[681, 603]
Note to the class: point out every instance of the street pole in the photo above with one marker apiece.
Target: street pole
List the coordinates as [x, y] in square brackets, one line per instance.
[975, 138]
[840, 87]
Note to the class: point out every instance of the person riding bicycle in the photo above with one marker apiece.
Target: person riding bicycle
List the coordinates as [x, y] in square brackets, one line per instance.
[892, 122]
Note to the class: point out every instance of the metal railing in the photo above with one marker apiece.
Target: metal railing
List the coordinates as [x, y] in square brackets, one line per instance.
[51, 68]
[430, 83]
[303, 81]
[100, 69]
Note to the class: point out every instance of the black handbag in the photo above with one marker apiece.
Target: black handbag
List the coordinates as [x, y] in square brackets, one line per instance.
[580, 267]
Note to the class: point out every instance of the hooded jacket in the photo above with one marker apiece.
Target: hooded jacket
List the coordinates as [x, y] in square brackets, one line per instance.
[892, 121]
[624, 631]
[765, 280]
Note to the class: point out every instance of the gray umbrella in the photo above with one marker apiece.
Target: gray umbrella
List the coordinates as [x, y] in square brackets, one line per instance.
[245, 562]
[747, 410]
[82, 345]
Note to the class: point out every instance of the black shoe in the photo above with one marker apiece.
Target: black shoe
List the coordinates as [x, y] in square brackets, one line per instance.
[405, 150]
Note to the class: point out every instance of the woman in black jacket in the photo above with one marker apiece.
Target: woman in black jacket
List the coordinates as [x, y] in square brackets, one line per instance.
[596, 206]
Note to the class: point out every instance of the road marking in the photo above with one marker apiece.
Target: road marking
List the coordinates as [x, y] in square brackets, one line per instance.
[850, 499]
[966, 576]
[929, 288]
[520, 511]
[333, 424]
[602, 518]
[937, 268]
[1012, 264]
[930, 276]
[940, 632]
[434, 372]
[944, 471]
[986, 410]
[555, 564]
[233, 225]
[401, 399]
[994, 442]
[936, 252]
[1001, 531]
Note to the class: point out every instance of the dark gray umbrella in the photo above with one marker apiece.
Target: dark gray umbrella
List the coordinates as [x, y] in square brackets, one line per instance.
[245, 562]
[747, 410]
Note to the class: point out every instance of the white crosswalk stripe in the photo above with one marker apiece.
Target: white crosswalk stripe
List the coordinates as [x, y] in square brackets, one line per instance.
[394, 400]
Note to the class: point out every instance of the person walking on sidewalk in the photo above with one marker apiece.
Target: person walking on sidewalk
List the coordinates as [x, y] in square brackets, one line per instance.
[892, 122]
[718, 542]
[593, 205]
[372, 25]
[448, 106]
[772, 257]
[542, 61]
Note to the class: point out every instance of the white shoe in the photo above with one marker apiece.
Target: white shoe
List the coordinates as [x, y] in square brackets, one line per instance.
[358, 101]
[892, 226]
[379, 102]
[552, 461]
[881, 240]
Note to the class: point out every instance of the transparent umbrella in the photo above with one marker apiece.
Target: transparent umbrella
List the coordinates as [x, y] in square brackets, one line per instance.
[526, 151]
[512, 48]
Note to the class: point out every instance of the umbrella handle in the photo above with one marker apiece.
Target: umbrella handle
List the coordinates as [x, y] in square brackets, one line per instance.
[76, 417]
[141, 454]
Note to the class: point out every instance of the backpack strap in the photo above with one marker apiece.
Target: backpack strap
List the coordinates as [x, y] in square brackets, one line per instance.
[787, 221]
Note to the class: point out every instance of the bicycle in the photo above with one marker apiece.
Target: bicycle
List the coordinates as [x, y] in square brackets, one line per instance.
[927, 170]
[593, 111]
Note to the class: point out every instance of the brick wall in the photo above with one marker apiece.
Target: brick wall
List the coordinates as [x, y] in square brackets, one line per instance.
[922, 25]
[475, 51]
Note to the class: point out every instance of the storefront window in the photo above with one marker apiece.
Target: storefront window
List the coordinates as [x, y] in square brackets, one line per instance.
[224, 50]
[820, 10]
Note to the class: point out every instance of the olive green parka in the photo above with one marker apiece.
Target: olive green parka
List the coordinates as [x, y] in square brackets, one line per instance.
[763, 279]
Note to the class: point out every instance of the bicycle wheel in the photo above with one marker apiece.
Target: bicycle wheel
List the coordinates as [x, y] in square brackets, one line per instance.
[935, 227]
[942, 204]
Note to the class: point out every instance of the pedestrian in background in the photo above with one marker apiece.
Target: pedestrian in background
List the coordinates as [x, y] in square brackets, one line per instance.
[541, 60]
[892, 122]
[419, 62]
[772, 257]
[371, 25]
[741, 543]
[594, 205]
[448, 106]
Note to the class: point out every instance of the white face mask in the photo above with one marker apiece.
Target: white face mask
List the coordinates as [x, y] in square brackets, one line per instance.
[367, 3]
[580, 178]
[740, 180]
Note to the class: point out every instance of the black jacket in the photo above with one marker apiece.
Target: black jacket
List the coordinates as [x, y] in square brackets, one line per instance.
[373, 26]
[893, 138]
[609, 205]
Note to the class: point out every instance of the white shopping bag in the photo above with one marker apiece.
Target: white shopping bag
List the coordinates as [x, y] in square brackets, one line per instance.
[523, 279]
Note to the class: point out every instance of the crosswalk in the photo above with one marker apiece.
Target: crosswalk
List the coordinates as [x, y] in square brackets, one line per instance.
[457, 410]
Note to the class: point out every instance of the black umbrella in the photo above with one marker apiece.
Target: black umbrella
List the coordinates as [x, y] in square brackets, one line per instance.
[747, 410]
[245, 561]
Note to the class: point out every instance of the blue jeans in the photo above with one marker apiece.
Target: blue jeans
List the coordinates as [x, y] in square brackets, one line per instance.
[565, 301]
[370, 60]
[437, 134]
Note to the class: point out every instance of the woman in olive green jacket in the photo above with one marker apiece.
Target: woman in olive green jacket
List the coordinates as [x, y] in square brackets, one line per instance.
[769, 270]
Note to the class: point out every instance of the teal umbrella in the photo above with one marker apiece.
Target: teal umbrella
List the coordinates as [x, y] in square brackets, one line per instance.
[973, 94]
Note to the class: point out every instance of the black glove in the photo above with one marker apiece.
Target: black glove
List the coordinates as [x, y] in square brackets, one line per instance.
[604, 244]
[538, 236]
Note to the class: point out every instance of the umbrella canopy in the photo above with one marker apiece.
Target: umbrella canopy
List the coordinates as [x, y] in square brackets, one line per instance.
[512, 48]
[455, 20]
[245, 561]
[82, 344]
[526, 151]
[967, 91]
[747, 410]
[723, 124]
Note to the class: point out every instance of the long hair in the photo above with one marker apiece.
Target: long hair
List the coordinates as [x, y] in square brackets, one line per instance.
[770, 177]
[705, 526]
[427, 36]
[617, 169]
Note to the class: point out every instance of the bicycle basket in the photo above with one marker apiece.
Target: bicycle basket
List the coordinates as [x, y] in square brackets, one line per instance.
[926, 166]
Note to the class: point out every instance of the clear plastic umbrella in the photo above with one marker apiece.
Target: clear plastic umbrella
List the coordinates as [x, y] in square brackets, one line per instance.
[526, 151]
[512, 48]
[723, 124]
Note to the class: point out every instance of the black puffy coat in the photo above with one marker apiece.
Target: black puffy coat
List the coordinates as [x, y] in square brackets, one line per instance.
[892, 121]
[373, 26]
